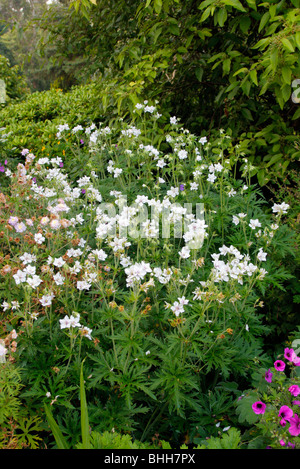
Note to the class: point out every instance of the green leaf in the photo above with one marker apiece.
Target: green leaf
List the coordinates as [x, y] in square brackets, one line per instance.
[235, 4]
[263, 21]
[85, 428]
[253, 76]
[296, 115]
[158, 6]
[199, 73]
[297, 39]
[274, 59]
[245, 411]
[244, 24]
[274, 159]
[287, 44]
[226, 66]
[221, 16]
[286, 92]
[60, 440]
[287, 74]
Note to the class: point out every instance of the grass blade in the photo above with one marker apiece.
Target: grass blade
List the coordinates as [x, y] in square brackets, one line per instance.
[85, 428]
[60, 440]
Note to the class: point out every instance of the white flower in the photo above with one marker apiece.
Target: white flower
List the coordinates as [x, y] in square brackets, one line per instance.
[39, 238]
[136, 272]
[77, 128]
[5, 306]
[20, 277]
[231, 193]
[211, 177]
[55, 224]
[261, 255]
[182, 154]
[117, 172]
[86, 332]
[100, 254]
[254, 224]
[173, 191]
[3, 352]
[173, 120]
[235, 220]
[203, 140]
[58, 262]
[46, 300]
[185, 252]
[58, 279]
[150, 109]
[34, 281]
[280, 208]
[74, 320]
[183, 300]
[65, 323]
[30, 270]
[177, 308]
[83, 285]
[161, 163]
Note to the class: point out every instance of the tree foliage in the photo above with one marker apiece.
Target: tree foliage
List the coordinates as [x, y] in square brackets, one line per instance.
[215, 64]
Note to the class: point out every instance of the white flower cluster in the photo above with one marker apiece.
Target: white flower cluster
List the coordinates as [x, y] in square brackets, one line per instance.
[236, 267]
[69, 322]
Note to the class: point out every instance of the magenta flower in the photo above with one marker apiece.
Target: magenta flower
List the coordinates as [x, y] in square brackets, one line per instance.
[296, 403]
[285, 413]
[259, 407]
[295, 425]
[289, 353]
[279, 365]
[291, 356]
[296, 361]
[294, 390]
[268, 376]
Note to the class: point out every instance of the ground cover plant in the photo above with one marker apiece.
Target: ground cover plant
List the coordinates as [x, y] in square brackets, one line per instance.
[134, 268]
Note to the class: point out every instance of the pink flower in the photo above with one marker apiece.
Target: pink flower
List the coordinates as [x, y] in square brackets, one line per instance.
[291, 356]
[294, 390]
[20, 227]
[279, 365]
[285, 413]
[295, 425]
[268, 376]
[259, 407]
[289, 353]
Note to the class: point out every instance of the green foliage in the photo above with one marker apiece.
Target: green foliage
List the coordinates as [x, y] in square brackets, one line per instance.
[230, 440]
[242, 61]
[17, 428]
[15, 83]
